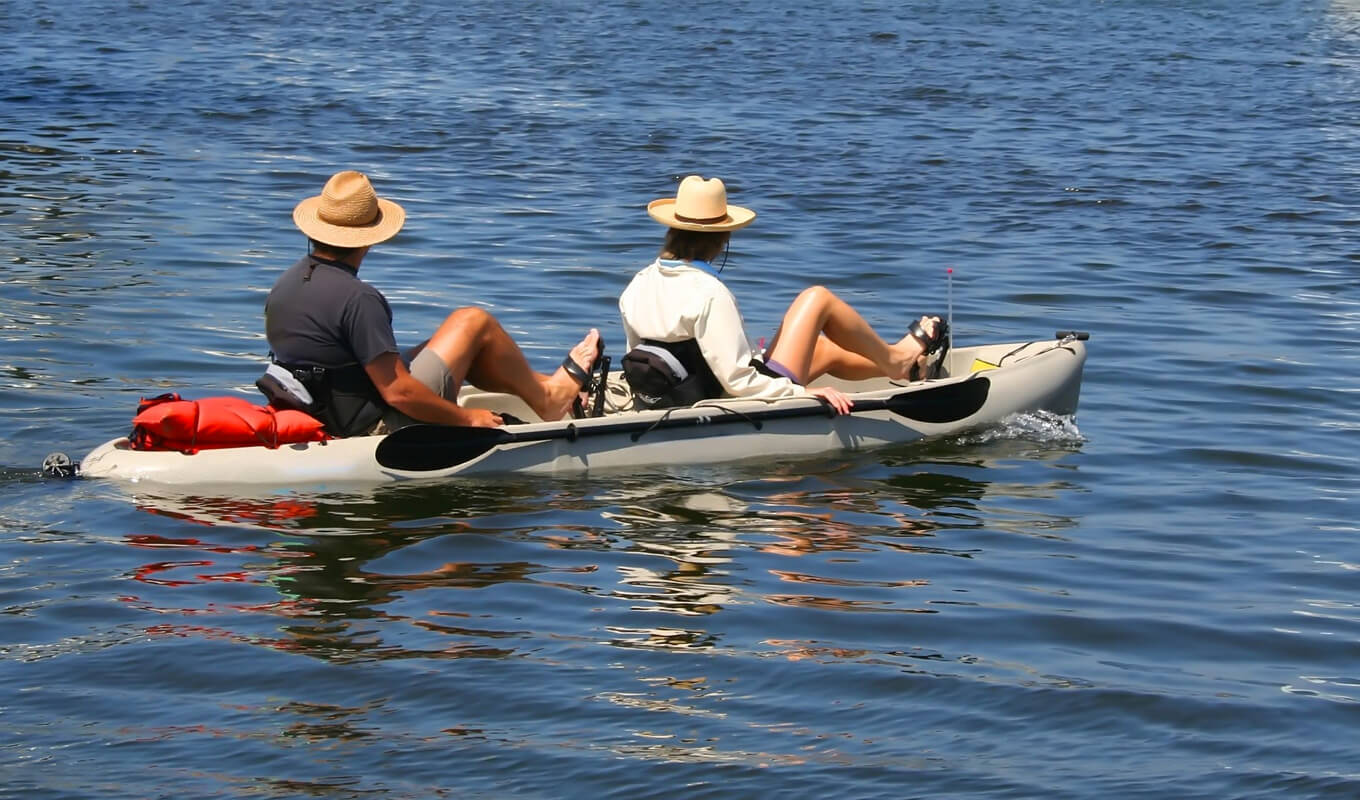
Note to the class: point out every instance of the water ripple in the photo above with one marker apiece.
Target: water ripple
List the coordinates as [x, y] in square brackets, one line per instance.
[1154, 594]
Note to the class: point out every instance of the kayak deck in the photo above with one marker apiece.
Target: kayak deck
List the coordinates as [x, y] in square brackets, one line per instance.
[977, 386]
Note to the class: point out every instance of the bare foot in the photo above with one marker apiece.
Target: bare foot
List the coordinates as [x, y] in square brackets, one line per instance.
[919, 367]
[562, 388]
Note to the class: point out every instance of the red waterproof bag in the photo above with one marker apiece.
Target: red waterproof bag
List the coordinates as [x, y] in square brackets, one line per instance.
[168, 422]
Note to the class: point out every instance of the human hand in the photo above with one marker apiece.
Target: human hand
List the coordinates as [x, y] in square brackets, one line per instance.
[835, 397]
[481, 418]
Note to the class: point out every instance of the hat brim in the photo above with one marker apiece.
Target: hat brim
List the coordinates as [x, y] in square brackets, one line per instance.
[389, 220]
[663, 211]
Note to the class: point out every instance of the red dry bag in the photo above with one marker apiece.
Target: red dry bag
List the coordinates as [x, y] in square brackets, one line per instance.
[168, 422]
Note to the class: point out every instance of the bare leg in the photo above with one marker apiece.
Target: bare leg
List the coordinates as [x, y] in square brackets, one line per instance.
[474, 346]
[831, 359]
[849, 348]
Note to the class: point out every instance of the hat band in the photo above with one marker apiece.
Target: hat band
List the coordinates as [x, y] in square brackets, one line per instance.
[702, 221]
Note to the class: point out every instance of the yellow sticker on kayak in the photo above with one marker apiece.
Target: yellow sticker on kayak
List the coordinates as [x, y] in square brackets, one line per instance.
[979, 365]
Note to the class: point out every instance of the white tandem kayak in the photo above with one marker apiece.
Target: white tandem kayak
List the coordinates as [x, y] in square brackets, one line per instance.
[976, 387]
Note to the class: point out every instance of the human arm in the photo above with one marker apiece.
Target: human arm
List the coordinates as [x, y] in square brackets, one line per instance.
[402, 391]
[722, 339]
[367, 326]
[630, 334]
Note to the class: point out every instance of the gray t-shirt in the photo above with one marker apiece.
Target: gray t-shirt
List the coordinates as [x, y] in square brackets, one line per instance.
[320, 314]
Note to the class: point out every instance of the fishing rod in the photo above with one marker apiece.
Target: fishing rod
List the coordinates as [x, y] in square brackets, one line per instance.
[949, 330]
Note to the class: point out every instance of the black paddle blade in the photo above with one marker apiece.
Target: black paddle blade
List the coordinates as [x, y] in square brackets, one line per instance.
[432, 448]
[428, 448]
[949, 403]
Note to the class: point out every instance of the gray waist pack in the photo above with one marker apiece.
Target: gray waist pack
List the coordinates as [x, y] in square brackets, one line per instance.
[284, 390]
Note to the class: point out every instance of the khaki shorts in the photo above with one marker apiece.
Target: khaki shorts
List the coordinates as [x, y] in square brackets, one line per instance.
[430, 370]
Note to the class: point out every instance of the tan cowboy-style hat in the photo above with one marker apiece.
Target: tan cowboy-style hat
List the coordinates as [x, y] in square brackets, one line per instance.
[348, 213]
[700, 205]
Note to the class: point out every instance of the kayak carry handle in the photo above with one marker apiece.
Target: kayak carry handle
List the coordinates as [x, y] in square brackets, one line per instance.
[1080, 336]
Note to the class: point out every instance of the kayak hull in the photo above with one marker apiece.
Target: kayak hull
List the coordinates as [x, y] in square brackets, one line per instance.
[1030, 376]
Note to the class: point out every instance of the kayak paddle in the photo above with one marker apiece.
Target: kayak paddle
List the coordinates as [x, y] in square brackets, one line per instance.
[429, 448]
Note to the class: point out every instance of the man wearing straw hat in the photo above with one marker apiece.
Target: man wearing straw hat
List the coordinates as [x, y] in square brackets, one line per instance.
[333, 333]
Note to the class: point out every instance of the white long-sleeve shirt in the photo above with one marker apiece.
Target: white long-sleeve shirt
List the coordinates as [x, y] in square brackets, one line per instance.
[671, 301]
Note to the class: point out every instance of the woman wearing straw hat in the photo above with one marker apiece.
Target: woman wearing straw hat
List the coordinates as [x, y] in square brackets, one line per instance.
[679, 301]
[333, 332]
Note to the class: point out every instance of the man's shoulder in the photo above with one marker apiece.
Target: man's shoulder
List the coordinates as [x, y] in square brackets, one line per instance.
[323, 286]
[341, 281]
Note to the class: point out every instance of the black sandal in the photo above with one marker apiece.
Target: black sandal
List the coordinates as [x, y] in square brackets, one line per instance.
[587, 382]
[581, 376]
[929, 343]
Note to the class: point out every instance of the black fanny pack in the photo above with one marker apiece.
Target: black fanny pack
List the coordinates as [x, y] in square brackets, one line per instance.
[343, 398]
[669, 374]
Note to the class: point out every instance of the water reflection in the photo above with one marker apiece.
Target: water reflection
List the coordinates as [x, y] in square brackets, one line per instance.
[361, 575]
[689, 547]
[337, 605]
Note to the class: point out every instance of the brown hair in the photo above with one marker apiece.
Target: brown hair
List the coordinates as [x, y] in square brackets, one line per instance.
[694, 245]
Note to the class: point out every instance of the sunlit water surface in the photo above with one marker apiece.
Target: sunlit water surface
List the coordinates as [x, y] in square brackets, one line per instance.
[1156, 598]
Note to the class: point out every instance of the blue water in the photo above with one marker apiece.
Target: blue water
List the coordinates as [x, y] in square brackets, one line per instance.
[1156, 598]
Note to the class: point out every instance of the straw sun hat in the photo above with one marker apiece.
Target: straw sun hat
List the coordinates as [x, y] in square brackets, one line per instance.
[700, 205]
[348, 213]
